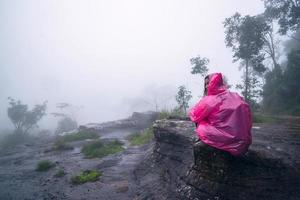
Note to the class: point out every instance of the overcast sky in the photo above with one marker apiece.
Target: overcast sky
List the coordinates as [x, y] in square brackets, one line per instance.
[110, 56]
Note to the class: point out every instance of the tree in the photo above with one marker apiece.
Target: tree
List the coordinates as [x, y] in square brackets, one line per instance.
[67, 121]
[22, 118]
[245, 36]
[183, 97]
[199, 65]
[280, 94]
[271, 45]
[272, 91]
[291, 84]
[287, 12]
[66, 124]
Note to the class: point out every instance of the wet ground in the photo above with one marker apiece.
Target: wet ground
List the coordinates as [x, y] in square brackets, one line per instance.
[19, 180]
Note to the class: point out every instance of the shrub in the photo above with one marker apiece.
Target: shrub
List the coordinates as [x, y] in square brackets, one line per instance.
[86, 176]
[44, 165]
[142, 137]
[98, 149]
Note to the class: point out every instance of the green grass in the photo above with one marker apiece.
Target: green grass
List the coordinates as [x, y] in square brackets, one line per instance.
[141, 138]
[80, 135]
[86, 176]
[98, 149]
[61, 145]
[44, 165]
[60, 173]
[174, 113]
[259, 118]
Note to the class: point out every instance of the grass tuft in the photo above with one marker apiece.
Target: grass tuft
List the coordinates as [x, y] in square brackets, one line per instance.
[44, 165]
[86, 176]
[80, 135]
[142, 137]
[98, 149]
[61, 145]
[60, 173]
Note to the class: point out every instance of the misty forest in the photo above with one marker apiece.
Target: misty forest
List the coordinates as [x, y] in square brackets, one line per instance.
[96, 99]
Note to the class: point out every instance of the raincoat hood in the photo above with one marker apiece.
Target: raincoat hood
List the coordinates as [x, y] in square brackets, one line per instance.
[215, 84]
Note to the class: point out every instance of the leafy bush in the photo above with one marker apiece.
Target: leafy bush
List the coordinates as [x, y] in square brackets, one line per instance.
[142, 137]
[98, 149]
[86, 176]
[44, 165]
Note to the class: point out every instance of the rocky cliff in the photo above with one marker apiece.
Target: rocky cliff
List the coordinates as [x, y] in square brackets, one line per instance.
[181, 167]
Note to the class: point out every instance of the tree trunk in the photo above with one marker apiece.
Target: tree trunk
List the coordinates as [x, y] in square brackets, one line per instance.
[246, 93]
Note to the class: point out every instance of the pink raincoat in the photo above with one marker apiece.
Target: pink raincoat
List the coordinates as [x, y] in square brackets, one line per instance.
[223, 117]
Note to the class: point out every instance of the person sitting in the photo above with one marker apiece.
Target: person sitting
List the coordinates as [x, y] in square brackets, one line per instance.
[223, 119]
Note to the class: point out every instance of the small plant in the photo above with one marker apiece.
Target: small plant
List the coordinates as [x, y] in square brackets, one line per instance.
[44, 165]
[86, 176]
[98, 149]
[60, 173]
[142, 137]
[61, 145]
[80, 135]
[174, 113]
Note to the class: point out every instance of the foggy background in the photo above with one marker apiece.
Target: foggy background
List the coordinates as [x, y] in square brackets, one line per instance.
[110, 57]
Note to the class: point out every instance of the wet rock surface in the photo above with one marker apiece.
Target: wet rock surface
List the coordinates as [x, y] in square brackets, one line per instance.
[20, 180]
[185, 168]
[176, 165]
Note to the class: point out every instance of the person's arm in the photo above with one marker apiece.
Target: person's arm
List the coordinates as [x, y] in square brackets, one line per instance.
[200, 111]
